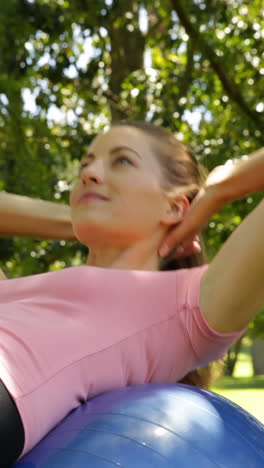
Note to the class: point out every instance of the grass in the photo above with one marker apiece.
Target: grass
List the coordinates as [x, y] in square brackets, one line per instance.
[243, 388]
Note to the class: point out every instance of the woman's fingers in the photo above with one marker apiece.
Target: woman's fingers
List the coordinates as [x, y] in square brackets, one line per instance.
[182, 235]
[188, 249]
[196, 217]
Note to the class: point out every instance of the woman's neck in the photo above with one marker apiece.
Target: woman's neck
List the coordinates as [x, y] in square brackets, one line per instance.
[140, 256]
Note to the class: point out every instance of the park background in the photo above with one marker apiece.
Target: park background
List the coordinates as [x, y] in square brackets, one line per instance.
[70, 68]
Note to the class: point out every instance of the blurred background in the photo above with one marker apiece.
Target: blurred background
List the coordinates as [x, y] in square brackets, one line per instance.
[70, 68]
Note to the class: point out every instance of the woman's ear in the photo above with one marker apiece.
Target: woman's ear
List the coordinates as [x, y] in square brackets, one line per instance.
[176, 210]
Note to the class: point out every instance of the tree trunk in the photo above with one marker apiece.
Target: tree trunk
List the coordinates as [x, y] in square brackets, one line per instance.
[127, 49]
[231, 357]
[257, 352]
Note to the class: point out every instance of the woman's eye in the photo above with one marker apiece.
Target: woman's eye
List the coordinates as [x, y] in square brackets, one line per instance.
[120, 158]
[124, 158]
[82, 166]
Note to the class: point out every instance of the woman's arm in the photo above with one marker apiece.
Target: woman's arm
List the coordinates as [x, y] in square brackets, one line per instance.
[232, 289]
[242, 178]
[2, 275]
[24, 216]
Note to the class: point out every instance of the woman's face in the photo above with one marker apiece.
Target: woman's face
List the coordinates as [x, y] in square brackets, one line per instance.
[121, 166]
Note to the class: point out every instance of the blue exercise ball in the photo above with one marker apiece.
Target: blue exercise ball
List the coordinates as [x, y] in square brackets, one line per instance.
[153, 425]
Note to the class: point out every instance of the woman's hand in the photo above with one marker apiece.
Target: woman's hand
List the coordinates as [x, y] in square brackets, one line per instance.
[208, 200]
[224, 184]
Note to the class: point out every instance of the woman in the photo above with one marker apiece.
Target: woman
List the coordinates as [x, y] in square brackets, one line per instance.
[69, 335]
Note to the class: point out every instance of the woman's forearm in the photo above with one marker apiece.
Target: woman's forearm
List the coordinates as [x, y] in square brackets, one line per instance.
[25, 216]
[244, 178]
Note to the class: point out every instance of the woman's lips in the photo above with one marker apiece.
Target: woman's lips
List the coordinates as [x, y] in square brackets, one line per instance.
[91, 197]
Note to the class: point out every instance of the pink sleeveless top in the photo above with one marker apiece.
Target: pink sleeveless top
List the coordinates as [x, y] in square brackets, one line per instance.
[68, 335]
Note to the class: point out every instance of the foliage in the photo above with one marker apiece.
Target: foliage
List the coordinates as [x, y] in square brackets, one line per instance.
[69, 68]
[256, 327]
[243, 388]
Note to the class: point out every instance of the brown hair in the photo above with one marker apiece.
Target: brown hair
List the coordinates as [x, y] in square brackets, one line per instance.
[180, 169]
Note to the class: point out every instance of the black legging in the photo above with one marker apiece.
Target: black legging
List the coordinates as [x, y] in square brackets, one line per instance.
[11, 429]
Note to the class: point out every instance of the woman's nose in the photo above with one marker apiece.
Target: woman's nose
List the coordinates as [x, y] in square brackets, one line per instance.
[93, 171]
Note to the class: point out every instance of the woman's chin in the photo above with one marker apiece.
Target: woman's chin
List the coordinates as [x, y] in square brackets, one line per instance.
[93, 236]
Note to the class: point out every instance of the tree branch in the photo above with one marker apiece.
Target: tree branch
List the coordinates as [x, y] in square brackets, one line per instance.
[184, 81]
[228, 83]
[187, 76]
